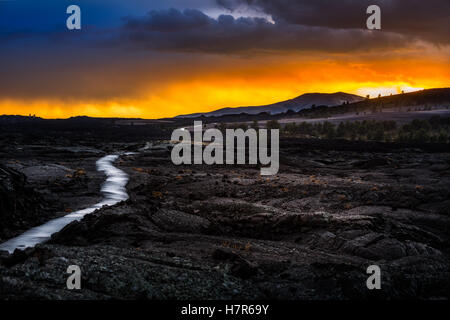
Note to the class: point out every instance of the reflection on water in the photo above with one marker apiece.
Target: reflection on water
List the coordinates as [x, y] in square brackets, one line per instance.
[113, 190]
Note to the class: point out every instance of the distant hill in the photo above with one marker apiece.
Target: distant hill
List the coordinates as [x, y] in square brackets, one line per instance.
[305, 101]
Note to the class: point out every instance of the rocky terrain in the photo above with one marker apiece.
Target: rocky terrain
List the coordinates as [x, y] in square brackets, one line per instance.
[225, 232]
[41, 181]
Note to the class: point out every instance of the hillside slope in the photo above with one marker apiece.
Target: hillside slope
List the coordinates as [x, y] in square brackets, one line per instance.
[305, 101]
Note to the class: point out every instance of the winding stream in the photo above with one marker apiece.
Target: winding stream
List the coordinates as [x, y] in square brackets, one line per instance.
[113, 190]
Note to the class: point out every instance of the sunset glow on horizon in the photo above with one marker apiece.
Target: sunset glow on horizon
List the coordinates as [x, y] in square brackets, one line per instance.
[156, 108]
[170, 62]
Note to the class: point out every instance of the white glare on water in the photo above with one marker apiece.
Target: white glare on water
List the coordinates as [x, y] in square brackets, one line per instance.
[113, 190]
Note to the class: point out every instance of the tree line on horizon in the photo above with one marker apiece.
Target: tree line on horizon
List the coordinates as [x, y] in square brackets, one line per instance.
[433, 130]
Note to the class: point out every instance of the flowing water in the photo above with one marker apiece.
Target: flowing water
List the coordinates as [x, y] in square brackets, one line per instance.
[113, 190]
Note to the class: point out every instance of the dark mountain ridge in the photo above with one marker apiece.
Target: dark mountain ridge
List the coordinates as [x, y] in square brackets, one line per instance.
[305, 101]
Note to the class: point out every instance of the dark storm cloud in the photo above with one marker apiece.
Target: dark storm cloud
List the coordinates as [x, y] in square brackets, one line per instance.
[170, 20]
[428, 20]
[193, 31]
[41, 59]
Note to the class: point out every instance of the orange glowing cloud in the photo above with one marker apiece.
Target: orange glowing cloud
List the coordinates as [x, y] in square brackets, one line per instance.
[221, 81]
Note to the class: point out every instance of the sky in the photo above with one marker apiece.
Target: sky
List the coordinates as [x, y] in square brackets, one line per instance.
[162, 58]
